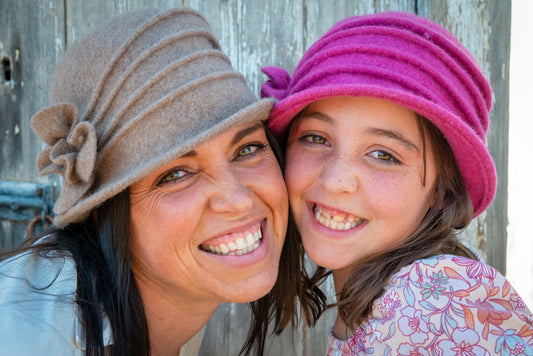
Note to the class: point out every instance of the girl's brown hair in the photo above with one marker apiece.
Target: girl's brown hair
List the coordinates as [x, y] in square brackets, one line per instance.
[436, 234]
[295, 294]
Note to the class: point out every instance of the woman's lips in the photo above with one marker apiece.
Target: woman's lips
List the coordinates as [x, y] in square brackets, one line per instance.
[235, 244]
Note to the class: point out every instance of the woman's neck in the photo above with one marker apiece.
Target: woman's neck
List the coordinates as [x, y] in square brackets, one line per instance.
[173, 321]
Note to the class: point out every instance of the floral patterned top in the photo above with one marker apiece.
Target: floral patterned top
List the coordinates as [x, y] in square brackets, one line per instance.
[443, 305]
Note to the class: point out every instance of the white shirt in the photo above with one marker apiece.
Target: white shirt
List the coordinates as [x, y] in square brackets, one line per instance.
[38, 315]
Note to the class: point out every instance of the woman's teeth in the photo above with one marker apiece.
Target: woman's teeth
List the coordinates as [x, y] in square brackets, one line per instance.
[240, 246]
[336, 222]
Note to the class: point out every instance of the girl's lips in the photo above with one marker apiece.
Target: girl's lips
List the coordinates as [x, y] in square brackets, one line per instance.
[335, 220]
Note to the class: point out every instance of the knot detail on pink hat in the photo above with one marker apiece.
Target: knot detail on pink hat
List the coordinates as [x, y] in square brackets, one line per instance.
[410, 61]
[278, 84]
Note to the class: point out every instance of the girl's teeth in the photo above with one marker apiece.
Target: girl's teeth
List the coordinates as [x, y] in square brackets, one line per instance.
[240, 246]
[336, 222]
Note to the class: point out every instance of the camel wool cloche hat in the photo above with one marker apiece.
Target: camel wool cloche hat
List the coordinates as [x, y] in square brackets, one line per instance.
[137, 92]
[405, 59]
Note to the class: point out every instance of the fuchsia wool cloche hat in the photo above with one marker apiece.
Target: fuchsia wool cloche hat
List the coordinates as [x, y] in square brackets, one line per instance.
[407, 60]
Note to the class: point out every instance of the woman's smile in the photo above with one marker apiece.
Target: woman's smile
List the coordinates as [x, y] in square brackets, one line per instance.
[235, 243]
[215, 219]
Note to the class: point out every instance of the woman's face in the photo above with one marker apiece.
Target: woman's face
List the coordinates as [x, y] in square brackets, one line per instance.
[210, 225]
[355, 177]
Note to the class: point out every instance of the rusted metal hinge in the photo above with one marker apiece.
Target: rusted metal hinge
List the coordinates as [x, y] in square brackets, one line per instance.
[21, 201]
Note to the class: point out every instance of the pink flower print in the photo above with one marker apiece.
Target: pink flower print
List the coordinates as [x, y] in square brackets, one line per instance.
[412, 325]
[476, 269]
[388, 305]
[464, 343]
[411, 350]
[518, 301]
[357, 341]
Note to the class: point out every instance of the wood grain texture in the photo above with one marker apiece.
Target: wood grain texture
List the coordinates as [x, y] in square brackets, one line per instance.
[253, 33]
[31, 40]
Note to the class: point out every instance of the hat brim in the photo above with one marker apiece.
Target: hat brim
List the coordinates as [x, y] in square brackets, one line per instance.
[474, 161]
[258, 111]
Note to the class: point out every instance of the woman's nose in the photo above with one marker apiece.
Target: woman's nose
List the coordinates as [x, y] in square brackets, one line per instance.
[231, 195]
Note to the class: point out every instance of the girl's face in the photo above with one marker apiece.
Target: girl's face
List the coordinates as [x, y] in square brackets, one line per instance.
[355, 177]
[210, 225]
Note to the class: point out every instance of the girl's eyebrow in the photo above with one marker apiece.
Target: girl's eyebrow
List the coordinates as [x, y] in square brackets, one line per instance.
[394, 135]
[372, 130]
[319, 116]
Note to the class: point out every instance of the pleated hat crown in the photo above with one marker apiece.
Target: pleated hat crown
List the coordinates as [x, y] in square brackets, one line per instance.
[137, 92]
[405, 59]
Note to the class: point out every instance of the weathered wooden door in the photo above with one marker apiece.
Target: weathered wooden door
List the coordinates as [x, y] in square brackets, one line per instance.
[254, 33]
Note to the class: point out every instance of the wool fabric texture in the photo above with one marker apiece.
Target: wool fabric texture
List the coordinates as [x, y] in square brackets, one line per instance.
[137, 92]
[405, 59]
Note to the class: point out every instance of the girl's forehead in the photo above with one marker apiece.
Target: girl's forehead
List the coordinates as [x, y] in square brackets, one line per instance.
[361, 112]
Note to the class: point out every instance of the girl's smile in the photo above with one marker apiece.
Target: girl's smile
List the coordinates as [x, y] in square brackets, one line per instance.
[335, 219]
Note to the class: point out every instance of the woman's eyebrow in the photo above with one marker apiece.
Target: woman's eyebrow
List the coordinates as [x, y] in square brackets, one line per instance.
[191, 153]
[394, 135]
[239, 135]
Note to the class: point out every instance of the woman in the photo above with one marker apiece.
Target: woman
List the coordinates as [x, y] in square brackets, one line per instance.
[172, 199]
[385, 120]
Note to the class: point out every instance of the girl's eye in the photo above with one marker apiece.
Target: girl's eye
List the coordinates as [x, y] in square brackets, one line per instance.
[250, 150]
[385, 156]
[315, 139]
[174, 175]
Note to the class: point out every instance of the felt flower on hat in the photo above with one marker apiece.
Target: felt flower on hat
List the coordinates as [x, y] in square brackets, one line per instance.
[71, 151]
[278, 84]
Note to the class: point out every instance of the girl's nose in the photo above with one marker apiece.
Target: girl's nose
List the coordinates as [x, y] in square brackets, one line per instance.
[339, 175]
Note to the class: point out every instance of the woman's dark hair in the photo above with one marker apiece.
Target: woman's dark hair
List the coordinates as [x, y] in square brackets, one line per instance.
[436, 234]
[293, 293]
[100, 247]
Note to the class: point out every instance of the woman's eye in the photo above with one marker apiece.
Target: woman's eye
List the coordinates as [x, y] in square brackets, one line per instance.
[174, 175]
[385, 156]
[250, 150]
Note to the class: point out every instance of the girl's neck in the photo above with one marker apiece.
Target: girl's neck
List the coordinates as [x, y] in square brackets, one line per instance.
[340, 330]
[173, 321]
[340, 276]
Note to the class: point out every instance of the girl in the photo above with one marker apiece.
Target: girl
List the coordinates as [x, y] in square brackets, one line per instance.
[384, 121]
